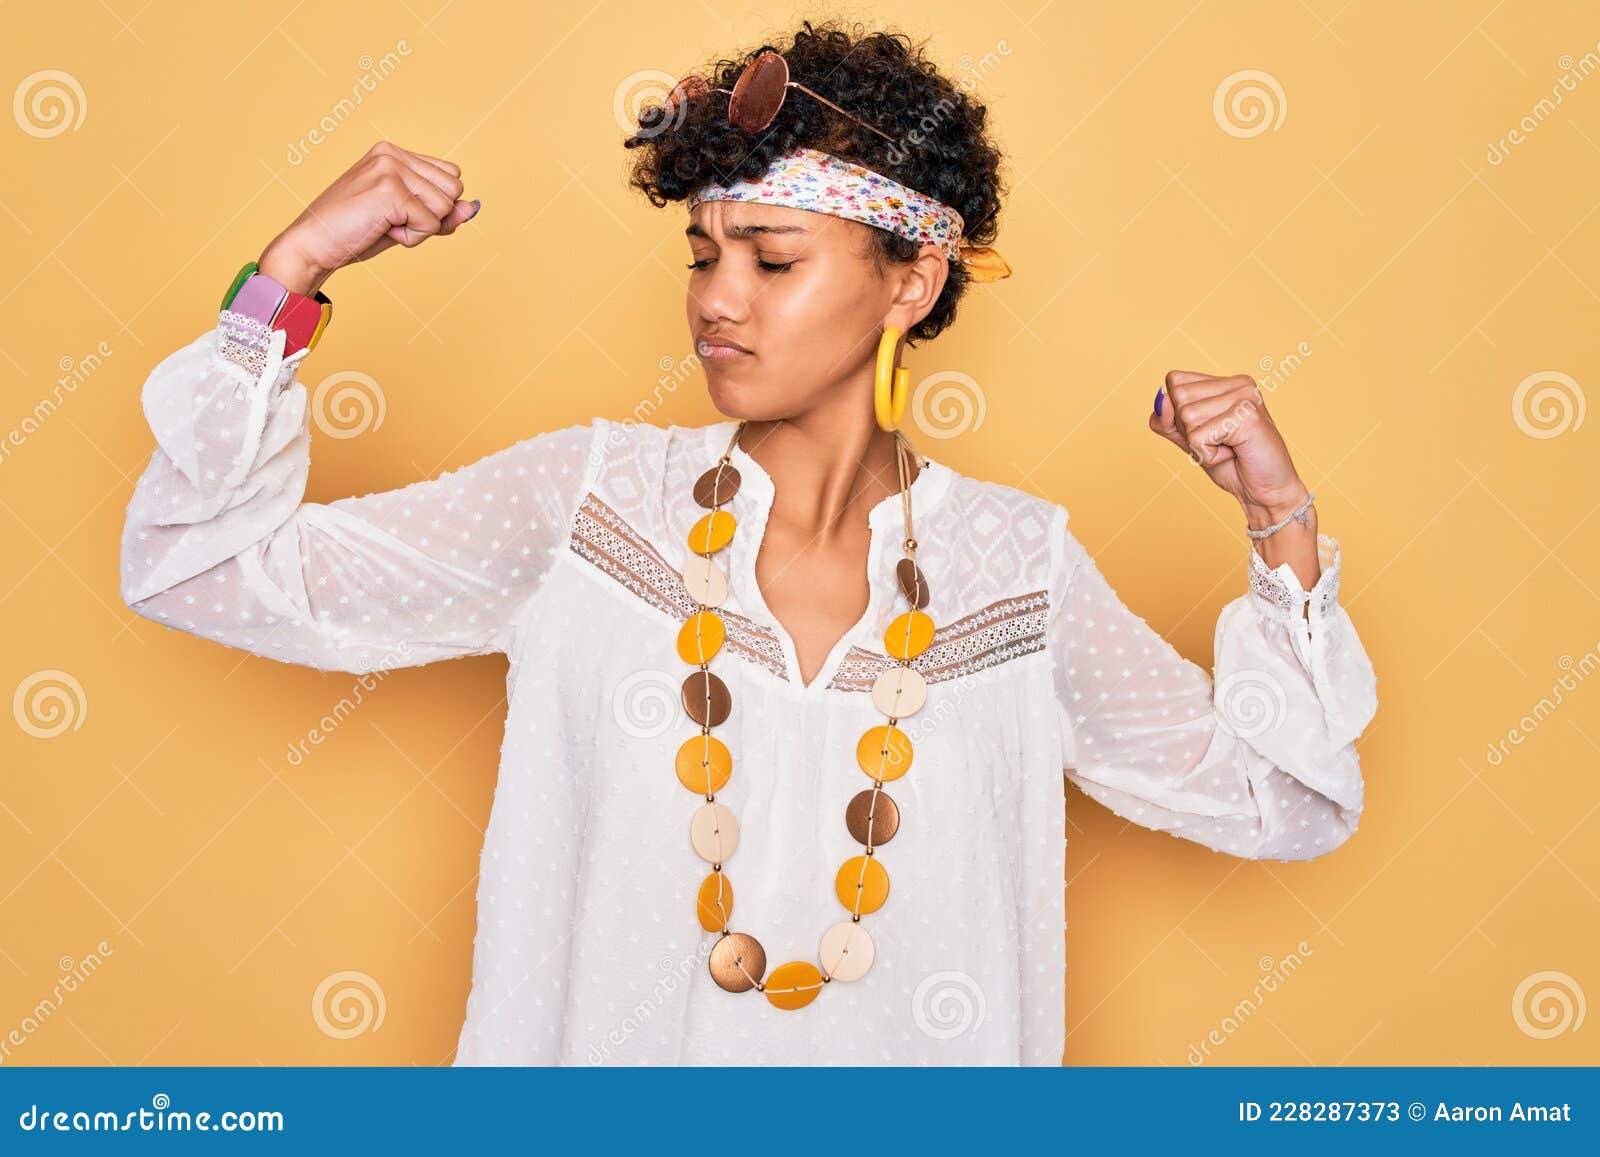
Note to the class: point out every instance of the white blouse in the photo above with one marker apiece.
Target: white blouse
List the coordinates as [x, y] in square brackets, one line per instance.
[564, 551]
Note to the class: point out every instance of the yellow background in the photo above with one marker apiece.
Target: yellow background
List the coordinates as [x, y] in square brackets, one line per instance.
[1370, 224]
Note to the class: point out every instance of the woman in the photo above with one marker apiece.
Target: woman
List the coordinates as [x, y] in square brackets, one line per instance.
[822, 603]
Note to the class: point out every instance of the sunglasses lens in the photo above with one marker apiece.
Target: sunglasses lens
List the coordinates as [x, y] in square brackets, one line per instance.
[759, 92]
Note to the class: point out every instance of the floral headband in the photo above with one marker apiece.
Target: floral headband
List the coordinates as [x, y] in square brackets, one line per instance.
[807, 178]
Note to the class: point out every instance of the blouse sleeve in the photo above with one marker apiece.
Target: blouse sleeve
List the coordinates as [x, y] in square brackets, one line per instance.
[218, 543]
[1260, 763]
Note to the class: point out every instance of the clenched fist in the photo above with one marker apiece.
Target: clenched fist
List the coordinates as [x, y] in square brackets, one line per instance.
[391, 196]
[1222, 423]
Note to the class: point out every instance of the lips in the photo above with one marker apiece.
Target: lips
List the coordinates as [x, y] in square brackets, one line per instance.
[720, 348]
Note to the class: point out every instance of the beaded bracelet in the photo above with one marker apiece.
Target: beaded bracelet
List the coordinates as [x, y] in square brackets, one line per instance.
[1302, 516]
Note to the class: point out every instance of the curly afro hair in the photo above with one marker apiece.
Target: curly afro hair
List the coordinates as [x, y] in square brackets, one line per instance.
[942, 146]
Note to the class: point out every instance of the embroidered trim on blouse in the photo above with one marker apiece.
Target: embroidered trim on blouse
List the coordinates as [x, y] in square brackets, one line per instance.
[604, 537]
[1000, 631]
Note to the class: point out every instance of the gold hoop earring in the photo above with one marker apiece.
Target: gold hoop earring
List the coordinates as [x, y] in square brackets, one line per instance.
[891, 383]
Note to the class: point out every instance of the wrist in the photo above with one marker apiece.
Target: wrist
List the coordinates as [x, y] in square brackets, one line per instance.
[289, 269]
[1259, 516]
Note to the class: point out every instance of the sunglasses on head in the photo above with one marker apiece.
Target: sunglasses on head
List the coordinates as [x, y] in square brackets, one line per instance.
[756, 97]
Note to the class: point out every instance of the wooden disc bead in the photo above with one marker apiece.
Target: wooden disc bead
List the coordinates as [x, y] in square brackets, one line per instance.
[706, 698]
[737, 962]
[711, 532]
[912, 582]
[794, 985]
[714, 904]
[847, 951]
[899, 691]
[704, 581]
[704, 764]
[714, 833]
[872, 818]
[909, 635]
[884, 752]
[717, 485]
[701, 637]
[864, 878]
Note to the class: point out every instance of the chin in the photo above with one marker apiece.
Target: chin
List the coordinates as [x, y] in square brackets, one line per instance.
[743, 400]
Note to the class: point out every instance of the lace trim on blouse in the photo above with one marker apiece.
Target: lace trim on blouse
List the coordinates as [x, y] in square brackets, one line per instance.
[1279, 596]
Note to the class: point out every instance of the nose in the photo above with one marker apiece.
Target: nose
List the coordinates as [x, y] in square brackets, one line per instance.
[724, 292]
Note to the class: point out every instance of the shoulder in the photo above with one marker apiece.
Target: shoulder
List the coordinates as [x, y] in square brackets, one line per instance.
[972, 497]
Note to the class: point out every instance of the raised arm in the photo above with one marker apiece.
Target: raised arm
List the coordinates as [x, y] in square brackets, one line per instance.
[218, 542]
[1261, 762]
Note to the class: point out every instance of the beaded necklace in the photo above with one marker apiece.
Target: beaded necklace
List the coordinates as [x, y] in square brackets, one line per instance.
[738, 963]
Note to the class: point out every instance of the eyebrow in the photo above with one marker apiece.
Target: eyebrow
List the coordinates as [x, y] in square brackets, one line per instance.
[745, 231]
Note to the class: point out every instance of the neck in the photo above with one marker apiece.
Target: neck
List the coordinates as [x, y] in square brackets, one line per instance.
[829, 466]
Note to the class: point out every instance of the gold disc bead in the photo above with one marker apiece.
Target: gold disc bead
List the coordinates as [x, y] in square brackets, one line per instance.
[908, 635]
[865, 880]
[884, 752]
[711, 532]
[714, 904]
[701, 637]
[794, 985]
[704, 764]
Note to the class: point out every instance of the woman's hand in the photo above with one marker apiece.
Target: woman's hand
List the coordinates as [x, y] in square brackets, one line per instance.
[391, 196]
[1222, 423]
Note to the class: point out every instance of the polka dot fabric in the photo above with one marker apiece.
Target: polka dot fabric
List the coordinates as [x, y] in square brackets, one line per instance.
[560, 551]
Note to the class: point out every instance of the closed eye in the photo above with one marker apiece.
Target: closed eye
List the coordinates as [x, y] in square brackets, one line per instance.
[768, 266]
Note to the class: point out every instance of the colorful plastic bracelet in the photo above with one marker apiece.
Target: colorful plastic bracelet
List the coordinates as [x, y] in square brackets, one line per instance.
[302, 319]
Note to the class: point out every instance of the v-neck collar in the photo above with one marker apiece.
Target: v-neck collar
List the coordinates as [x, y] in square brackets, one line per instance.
[885, 524]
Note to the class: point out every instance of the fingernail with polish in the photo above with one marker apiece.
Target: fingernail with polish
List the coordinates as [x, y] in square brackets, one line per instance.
[1160, 396]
